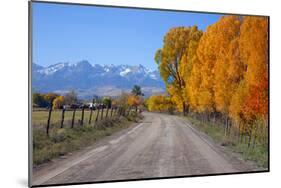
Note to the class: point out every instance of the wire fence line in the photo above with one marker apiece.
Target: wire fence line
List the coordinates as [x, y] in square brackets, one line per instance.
[73, 117]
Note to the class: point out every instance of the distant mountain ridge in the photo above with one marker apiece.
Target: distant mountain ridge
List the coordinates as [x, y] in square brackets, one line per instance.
[88, 80]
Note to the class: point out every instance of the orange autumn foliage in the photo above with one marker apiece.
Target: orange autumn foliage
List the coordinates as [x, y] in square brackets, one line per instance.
[254, 54]
[223, 70]
[134, 100]
[174, 61]
[58, 102]
[160, 103]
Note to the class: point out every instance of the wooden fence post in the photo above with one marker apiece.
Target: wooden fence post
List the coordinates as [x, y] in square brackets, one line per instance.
[124, 111]
[120, 111]
[101, 112]
[97, 118]
[107, 109]
[62, 118]
[111, 111]
[49, 118]
[115, 111]
[129, 110]
[73, 117]
[90, 119]
[82, 116]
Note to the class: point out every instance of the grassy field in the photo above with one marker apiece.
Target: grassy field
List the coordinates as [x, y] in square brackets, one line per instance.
[65, 140]
[39, 118]
[258, 154]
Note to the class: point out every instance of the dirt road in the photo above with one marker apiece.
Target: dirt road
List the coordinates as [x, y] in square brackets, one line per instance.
[160, 146]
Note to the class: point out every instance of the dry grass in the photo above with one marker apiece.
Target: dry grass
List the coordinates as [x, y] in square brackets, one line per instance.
[258, 154]
[65, 140]
[39, 118]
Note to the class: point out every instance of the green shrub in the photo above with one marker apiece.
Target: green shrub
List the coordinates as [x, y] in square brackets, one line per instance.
[58, 135]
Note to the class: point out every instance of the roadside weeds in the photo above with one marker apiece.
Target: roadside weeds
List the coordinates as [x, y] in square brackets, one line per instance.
[63, 141]
[257, 155]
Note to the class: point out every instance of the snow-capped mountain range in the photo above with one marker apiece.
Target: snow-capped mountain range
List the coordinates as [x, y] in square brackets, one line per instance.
[88, 80]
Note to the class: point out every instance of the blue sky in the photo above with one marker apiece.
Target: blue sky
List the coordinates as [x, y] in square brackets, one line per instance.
[71, 33]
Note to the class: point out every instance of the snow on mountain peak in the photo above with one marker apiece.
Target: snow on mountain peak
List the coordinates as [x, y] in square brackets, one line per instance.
[107, 69]
[125, 72]
[88, 78]
[53, 68]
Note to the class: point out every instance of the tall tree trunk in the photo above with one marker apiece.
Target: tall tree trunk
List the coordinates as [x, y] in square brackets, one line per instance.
[184, 108]
[225, 125]
[250, 136]
[238, 131]
[255, 137]
[250, 139]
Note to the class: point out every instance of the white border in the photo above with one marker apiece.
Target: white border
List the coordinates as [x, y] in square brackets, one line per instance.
[14, 91]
